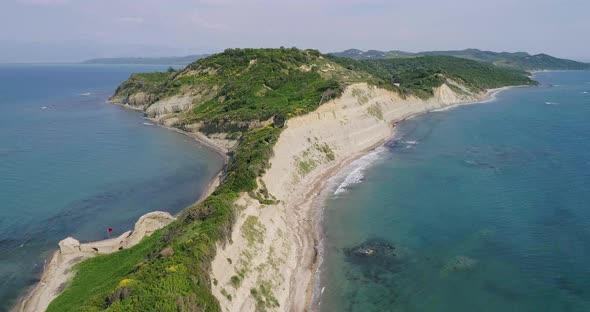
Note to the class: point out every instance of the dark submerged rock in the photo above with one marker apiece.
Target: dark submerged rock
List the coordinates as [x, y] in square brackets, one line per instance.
[374, 256]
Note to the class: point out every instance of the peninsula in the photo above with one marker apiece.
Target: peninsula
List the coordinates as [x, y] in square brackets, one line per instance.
[288, 119]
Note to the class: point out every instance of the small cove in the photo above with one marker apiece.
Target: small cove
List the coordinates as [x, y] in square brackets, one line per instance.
[73, 165]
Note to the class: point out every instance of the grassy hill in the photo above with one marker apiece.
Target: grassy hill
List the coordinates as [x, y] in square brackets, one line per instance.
[419, 75]
[518, 60]
[248, 93]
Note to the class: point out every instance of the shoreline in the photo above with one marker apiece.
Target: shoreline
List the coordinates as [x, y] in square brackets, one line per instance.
[321, 190]
[36, 293]
[197, 136]
[309, 196]
[291, 228]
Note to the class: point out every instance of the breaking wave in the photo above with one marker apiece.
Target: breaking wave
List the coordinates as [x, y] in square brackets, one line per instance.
[355, 172]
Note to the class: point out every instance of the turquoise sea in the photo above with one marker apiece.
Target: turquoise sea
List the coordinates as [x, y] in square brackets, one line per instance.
[479, 208]
[73, 165]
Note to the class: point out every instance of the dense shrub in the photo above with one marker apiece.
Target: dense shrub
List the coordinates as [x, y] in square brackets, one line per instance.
[420, 75]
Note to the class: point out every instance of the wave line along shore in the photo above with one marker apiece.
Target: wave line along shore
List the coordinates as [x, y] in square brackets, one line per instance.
[283, 257]
[57, 271]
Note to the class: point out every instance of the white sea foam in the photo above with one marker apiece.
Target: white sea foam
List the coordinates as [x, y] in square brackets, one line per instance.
[551, 103]
[351, 174]
[356, 176]
[85, 94]
[355, 173]
[410, 144]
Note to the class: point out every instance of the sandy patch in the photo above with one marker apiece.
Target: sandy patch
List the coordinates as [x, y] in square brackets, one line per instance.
[276, 269]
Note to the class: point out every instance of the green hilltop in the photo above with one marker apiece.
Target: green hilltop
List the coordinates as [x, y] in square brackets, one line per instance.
[419, 75]
[518, 60]
[248, 94]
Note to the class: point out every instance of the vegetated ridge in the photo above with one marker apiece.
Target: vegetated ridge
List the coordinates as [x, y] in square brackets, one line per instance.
[519, 60]
[244, 96]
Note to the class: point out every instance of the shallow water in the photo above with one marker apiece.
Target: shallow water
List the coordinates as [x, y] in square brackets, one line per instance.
[479, 208]
[73, 165]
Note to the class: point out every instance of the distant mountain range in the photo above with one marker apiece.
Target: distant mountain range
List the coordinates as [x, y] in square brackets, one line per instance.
[172, 60]
[520, 60]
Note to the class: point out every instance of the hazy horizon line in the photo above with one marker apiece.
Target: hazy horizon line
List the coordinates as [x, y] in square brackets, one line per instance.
[81, 59]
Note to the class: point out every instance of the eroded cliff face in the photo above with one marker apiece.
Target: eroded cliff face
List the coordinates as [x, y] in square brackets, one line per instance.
[58, 271]
[138, 100]
[270, 262]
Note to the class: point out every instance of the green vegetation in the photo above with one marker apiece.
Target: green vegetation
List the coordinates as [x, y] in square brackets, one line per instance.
[376, 111]
[518, 60]
[253, 231]
[420, 75]
[305, 166]
[360, 95]
[226, 294]
[326, 150]
[236, 281]
[98, 278]
[240, 87]
[312, 157]
[262, 195]
[250, 94]
[180, 282]
[264, 297]
[149, 83]
[256, 85]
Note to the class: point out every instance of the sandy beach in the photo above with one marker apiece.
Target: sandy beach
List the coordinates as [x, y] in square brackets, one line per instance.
[283, 260]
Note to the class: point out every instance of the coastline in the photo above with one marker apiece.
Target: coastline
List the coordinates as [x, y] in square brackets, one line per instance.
[315, 291]
[197, 136]
[321, 189]
[301, 276]
[291, 228]
[57, 267]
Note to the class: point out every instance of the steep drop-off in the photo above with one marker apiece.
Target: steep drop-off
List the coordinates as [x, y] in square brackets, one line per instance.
[289, 118]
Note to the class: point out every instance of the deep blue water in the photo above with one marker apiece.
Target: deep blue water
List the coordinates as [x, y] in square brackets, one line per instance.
[488, 210]
[73, 165]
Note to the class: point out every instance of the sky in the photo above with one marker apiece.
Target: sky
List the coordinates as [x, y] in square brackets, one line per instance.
[73, 30]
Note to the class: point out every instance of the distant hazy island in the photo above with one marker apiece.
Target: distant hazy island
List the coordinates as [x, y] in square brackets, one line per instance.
[171, 60]
[519, 60]
[288, 119]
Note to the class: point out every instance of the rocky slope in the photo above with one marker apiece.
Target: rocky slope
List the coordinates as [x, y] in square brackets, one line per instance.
[294, 117]
[270, 263]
